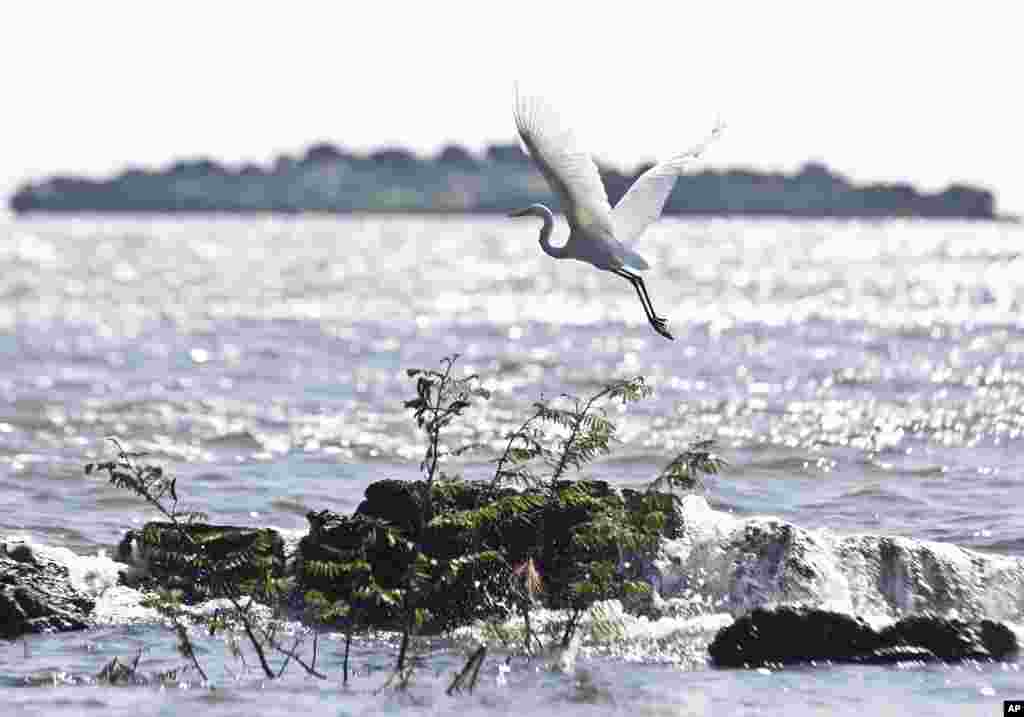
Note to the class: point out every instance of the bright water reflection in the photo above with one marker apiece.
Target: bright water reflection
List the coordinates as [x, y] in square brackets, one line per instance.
[860, 376]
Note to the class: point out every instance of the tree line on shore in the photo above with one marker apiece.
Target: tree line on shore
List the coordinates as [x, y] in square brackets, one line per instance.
[328, 179]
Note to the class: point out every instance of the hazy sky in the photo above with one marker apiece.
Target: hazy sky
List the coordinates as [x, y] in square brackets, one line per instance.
[925, 92]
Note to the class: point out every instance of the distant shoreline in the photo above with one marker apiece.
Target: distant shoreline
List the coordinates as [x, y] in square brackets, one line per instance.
[212, 215]
[327, 180]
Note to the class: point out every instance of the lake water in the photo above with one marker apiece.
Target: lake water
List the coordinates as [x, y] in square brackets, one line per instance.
[860, 377]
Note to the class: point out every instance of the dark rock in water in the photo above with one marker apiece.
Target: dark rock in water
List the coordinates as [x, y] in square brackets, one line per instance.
[393, 501]
[791, 635]
[953, 639]
[184, 559]
[794, 635]
[36, 595]
[476, 590]
[998, 639]
[464, 571]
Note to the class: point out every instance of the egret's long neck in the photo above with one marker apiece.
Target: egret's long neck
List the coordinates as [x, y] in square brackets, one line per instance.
[558, 252]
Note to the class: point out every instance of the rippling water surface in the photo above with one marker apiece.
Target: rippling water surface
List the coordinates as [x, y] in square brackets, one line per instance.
[859, 377]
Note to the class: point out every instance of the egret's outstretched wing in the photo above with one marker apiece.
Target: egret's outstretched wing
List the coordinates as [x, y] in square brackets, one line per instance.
[642, 204]
[569, 170]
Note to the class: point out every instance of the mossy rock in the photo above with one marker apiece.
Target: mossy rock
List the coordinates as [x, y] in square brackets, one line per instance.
[200, 559]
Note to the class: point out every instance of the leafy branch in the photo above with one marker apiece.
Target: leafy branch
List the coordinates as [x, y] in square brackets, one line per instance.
[590, 431]
[199, 551]
[686, 470]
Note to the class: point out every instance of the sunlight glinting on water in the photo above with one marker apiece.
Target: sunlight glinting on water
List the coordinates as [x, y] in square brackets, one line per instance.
[285, 340]
[865, 381]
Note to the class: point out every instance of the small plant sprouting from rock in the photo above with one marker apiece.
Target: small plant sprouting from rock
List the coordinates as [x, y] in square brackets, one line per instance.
[686, 471]
[149, 482]
[441, 398]
[591, 433]
[595, 559]
[588, 434]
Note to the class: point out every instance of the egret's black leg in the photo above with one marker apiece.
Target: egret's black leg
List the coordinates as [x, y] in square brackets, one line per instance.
[639, 283]
[644, 301]
[658, 323]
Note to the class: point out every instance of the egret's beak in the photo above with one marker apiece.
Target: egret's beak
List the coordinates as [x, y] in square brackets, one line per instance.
[520, 213]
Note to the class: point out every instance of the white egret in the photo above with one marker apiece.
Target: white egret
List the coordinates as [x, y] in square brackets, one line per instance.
[598, 234]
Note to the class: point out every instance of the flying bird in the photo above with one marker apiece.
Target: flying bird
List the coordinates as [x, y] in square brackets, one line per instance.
[598, 235]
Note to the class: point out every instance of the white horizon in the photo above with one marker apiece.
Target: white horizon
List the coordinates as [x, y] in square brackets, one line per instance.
[878, 93]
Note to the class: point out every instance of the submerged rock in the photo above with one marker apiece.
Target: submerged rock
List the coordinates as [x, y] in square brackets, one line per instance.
[794, 635]
[790, 635]
[950, 639]
[36, 594]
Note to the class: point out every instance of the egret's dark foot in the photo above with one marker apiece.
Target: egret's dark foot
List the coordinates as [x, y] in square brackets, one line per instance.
[661, 326]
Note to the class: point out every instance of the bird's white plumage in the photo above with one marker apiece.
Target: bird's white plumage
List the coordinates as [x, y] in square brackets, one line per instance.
[598, 235]
[569, 170]
[573, 175]
[642, 204]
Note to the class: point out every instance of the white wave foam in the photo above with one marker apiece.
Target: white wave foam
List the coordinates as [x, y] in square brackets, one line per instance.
[725, 563]
[120, 604]
[90, 574]
[95, 576]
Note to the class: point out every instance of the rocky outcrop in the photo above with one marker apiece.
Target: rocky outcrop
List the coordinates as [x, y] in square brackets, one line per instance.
[794, 635]
[705, 558]
[463, 571]
[543, 533]
[477, 591]
[36, 594]
[938, 598]
[327, 179]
